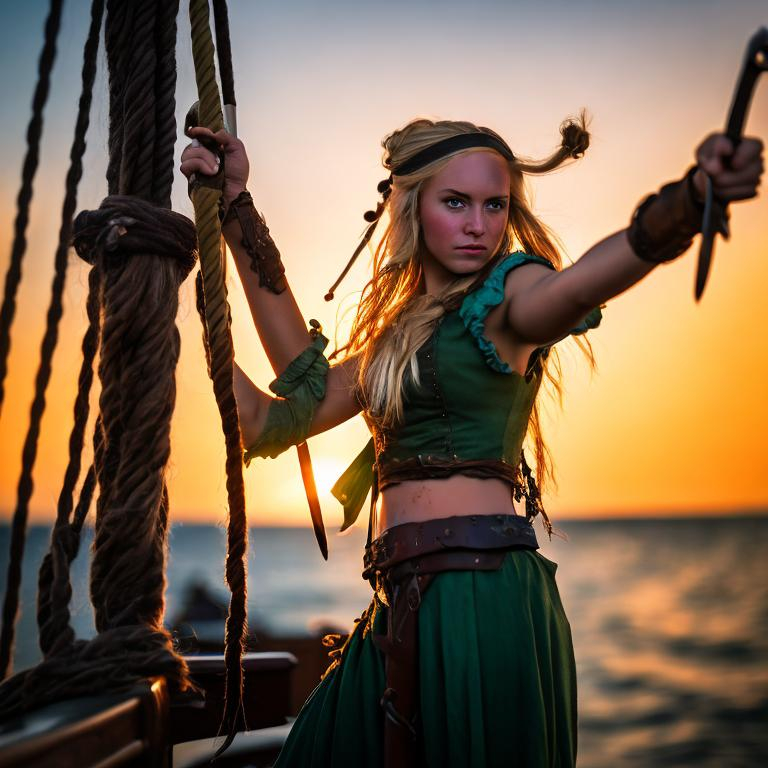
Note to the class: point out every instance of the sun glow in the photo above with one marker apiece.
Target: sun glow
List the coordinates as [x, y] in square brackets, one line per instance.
[327, 472]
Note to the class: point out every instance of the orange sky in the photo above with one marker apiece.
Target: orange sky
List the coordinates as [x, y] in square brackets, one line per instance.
[675, 418]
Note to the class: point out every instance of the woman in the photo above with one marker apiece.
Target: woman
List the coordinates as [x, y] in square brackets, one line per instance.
[464, 657]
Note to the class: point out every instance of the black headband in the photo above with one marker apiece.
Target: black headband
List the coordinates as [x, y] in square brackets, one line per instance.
[452, 144]
[419, 160]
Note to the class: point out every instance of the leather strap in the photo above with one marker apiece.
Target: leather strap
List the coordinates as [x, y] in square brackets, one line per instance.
[664, 224]
[258, 243]
[400, 648]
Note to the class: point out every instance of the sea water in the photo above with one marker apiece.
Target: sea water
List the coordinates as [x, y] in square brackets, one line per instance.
[669, 621]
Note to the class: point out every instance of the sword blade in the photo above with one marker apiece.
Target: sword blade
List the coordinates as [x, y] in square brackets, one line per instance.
[308, 477]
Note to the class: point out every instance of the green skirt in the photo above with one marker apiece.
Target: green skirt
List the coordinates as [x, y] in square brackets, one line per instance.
[497, 678]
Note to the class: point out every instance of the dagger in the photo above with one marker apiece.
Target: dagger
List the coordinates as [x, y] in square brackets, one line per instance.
[715, 216]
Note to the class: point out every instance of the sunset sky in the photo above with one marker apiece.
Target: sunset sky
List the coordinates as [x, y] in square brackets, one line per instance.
[674, 421]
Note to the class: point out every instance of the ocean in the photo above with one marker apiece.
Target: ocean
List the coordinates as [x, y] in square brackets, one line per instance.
[669, 620]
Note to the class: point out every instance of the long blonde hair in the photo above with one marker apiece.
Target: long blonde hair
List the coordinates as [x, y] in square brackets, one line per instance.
[395, 316]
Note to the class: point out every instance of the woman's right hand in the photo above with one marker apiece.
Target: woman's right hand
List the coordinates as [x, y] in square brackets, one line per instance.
[197, 159]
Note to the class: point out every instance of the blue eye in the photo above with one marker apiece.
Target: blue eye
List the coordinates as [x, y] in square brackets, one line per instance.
[497, 205]
[453, 202]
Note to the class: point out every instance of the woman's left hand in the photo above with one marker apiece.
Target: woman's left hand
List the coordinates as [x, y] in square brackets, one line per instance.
[735, 175]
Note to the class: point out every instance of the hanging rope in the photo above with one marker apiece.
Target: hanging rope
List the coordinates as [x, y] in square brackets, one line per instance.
[13, 277]
[217, 321]
[165, 120]
[117, 45]
[24, 198]
[224, 52]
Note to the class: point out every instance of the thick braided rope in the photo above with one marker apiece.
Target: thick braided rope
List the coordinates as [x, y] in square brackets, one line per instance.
[138, 354]
[117, 31]
[217, 320]
[165, 82]
[140, 341]
[142, 253]
[139, 108]
[8, 310]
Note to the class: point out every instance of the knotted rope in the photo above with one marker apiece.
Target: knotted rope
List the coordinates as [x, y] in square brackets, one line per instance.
[212, 301]
[145, 253]
[141, 254]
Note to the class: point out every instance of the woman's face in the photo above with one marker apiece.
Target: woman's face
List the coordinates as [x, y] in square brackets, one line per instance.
[463, 210]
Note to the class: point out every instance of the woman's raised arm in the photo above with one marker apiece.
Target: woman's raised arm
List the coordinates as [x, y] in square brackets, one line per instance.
[276, 316]
[278, 320]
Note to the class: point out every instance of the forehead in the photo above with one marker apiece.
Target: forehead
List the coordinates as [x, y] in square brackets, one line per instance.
[482, 172]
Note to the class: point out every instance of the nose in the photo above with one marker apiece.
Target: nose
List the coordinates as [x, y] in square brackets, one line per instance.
[474, 224]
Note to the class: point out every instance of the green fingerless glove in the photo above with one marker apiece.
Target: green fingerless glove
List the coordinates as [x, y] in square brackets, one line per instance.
[299, 388]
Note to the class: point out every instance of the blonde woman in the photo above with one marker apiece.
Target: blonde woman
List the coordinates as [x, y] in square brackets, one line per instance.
[464, 657]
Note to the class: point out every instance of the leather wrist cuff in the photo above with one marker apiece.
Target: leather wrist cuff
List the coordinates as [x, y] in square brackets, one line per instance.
[664, 224]
[258, 243]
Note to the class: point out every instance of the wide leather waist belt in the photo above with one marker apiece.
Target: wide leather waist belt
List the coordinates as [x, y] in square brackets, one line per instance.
[470, 532]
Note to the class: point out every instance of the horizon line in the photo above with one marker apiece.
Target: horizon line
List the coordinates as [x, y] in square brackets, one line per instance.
[655, 516]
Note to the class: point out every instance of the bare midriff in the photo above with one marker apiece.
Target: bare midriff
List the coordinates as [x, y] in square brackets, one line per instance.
[414, 501]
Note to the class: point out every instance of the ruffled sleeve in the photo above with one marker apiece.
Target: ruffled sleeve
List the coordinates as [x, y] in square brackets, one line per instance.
[476, 306]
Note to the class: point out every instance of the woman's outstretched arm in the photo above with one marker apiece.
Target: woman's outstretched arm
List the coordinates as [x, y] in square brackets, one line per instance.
[543, 305]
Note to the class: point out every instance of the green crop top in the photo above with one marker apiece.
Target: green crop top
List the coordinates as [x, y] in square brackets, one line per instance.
[469, 412]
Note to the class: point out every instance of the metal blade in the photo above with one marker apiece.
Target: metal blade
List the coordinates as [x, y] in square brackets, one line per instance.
[308, 477]
[702, 271]
[707, 243]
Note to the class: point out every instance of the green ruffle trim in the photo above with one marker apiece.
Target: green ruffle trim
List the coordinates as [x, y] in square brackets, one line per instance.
[299, 388]
[476, 306]
[592, 320]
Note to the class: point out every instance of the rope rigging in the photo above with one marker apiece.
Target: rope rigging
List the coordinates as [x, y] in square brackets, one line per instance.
[214, 310]
[24, 198]
[13, 277]
[131, 441]
[140, 252]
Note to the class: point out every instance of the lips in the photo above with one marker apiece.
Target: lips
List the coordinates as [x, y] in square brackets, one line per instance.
[473, 248]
